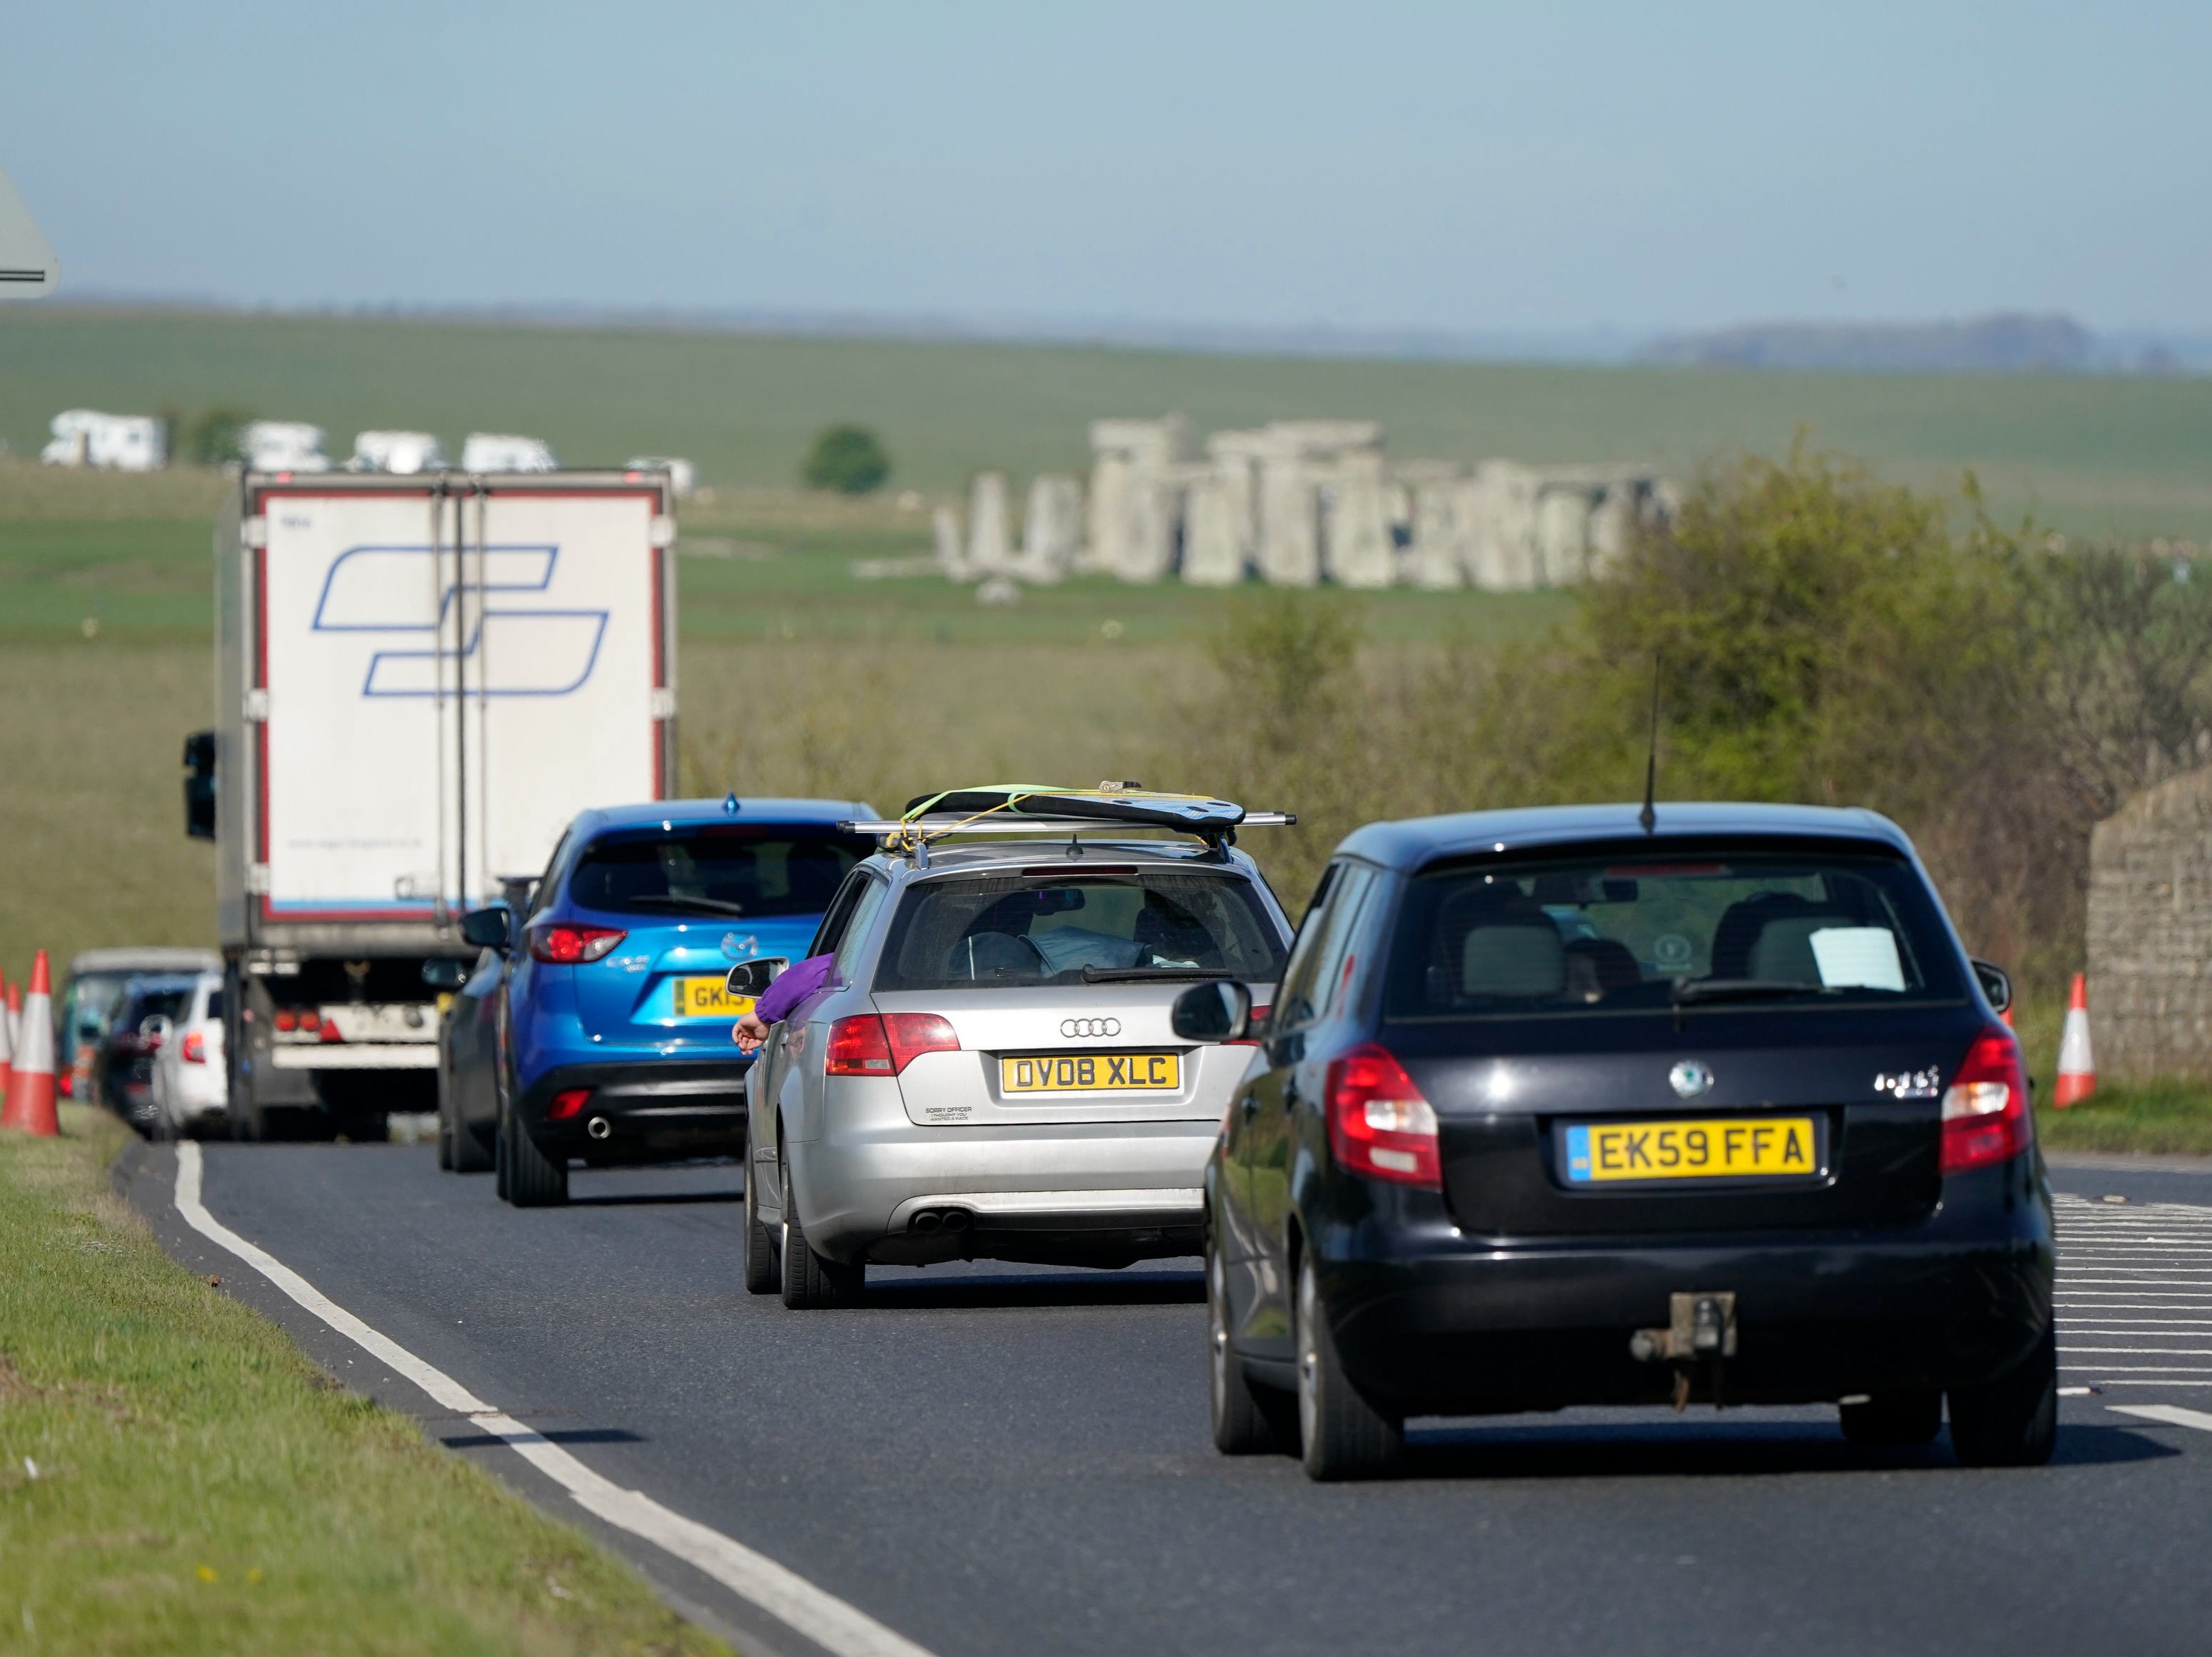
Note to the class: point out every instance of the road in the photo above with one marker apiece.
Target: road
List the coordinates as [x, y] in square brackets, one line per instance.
[1009, 1459]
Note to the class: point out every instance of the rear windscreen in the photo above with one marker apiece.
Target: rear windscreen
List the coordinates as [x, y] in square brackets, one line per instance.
[749, 871]
[1606, 935]
[1071, 929]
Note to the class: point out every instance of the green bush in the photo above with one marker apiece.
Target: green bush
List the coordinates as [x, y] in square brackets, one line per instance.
[212, 439]
[849, 459]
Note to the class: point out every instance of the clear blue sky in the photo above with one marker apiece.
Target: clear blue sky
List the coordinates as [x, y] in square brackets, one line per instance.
[1461, 167]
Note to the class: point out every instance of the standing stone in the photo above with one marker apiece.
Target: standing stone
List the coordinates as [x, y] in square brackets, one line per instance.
[1155, 525]
[1563, 513]
[1052, 528]
[990, 543]
[1499, 528]
[952, 555]
[1433, 558]
[1127, 507]
[2150, 934]
[1612, 525]
[1289, 522]
[1360, 550]
[1213, 540]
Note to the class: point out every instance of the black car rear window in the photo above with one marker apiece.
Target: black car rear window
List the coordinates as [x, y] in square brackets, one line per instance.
[755, 871]
[1651, 930]
[962, 932]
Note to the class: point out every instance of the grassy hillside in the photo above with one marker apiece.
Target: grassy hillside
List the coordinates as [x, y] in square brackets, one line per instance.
[2096, 456]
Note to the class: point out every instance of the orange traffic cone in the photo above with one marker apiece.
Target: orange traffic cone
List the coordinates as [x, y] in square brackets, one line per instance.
[31, 1084]
[2078, 1067]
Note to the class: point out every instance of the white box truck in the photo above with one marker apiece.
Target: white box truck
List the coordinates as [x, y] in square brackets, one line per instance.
[419, 680]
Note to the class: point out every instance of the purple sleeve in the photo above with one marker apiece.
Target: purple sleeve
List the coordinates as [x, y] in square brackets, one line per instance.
[793, 986]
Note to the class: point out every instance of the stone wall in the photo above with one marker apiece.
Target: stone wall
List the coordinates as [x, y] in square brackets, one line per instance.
[2150, 934]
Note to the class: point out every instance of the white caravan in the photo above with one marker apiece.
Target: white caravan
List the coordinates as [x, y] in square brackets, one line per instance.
[282, 446]
[492, 451]
[119, 442]
[404, 454]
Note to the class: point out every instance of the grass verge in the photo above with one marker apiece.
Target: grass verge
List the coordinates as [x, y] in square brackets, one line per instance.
[199, 1486]
[2160, 1118]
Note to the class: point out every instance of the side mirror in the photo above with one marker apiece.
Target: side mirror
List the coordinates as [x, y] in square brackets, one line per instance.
[1217, 1011]
[199, 785]
[490, 927]
[1997, 983]
[445, 973]
[752, 979]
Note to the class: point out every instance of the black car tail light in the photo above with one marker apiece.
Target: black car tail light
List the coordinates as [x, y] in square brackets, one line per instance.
[1379, 1126]
[1986, 1107]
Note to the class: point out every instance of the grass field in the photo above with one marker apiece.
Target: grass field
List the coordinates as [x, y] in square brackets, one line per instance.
[2086, 455]
[175, 1476]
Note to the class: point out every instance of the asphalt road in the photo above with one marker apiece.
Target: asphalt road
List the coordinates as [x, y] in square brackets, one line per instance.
[1007, 1459]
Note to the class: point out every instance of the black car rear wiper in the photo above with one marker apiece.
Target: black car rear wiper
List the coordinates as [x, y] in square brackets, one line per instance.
[1687, 990]
[1133, 974]
[670, 900]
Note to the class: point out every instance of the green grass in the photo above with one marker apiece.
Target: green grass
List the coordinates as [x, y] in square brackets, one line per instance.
[201, 1487]
[2088, 455]
[2168, 1118]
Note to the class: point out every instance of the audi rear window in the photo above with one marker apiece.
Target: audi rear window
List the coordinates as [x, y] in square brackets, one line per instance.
[752, 871]
[1678, 930]
[961, 932]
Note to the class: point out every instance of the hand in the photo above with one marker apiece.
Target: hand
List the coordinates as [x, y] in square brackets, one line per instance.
[749, 1034]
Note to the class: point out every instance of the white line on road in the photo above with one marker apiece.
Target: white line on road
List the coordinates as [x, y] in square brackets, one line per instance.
[778, 1591]
[2173, 1414]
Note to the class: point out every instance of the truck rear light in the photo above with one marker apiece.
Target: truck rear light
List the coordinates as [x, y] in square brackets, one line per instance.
[310, 1019]
[1259, 1017]
[1378, 1123]
[569, 1102]
[286, 1020]
[565, 943]
[1985, 1120]
[194, 1051]
[883, 1044]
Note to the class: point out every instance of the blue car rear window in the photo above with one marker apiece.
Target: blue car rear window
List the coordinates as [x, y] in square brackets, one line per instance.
[754, 870]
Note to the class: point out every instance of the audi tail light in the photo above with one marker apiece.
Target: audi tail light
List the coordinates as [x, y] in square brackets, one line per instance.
[565, 943]
[1985, 1120]
[194, 1050]
[1379, 1126]
[884, 1044]
[567, 1104]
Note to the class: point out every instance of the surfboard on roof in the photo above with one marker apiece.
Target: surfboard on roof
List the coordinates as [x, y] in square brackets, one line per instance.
[1107, 803]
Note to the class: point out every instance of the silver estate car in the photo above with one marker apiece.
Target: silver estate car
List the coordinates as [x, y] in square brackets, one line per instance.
[991, 1074]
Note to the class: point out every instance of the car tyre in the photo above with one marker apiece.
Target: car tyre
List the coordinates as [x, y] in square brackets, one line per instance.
[529, 1178]
[1243, 1424]
[1341, 1434]
[811, 1283]
[763, 1272]
[1895, 1418]
[2012, 1421]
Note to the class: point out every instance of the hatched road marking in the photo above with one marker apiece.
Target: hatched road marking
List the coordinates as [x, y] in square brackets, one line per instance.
[778, 1591]
[2135, 1281]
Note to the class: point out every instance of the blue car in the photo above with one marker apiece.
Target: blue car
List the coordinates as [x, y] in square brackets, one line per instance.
[595, 1024]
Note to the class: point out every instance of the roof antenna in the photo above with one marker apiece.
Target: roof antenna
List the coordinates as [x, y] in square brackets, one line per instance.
[1649, 816]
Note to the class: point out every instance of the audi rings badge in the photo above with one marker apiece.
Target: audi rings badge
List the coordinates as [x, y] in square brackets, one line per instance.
[1080, 1028]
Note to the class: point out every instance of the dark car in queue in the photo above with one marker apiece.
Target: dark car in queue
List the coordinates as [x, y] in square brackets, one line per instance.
[1553, 1109]
[595, 1024]
[143, 1008]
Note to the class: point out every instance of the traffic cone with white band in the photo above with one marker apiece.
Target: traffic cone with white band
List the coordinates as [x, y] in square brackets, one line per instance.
[10, 1021]
[31, 1084]
[2078, 1067]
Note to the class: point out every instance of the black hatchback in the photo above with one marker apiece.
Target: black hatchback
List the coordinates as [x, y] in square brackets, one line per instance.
[1554, 1109]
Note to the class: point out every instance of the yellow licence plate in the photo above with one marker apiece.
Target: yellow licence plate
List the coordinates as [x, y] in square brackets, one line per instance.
[1091, 1073]
[1762, 1147]
[708, 998]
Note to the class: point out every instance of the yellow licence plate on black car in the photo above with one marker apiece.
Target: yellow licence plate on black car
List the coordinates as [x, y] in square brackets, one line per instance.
[1091, 1073]
[708, 998]
[1764, 1147]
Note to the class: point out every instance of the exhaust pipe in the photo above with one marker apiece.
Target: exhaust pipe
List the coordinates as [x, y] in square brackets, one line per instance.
[598, 1127]
[927, 1220]
[957, 1218]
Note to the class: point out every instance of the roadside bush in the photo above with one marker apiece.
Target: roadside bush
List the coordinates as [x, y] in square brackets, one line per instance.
[212, 439]
[849, 459]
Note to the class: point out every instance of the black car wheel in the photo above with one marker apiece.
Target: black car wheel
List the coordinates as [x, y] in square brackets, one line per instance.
[2012, 1421]
[529, 1178]
[1913, 1417]
[1343, 1436]
[809, 1281]
[763, 1275]
[1243, 1424]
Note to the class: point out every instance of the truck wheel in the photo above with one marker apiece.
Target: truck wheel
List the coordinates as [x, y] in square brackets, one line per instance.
[1913, 1417]
[1343, 1435]
[1243, 1423]
[532, 1179]
[2012, 1421]
[764, 1273]
[809, 1281]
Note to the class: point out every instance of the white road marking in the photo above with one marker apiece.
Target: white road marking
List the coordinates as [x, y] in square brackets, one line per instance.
[780, 1591]
[2135, 1281]
[2173, 1414]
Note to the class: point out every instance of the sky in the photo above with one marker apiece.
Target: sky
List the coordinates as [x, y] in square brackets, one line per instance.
[1462, 167]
